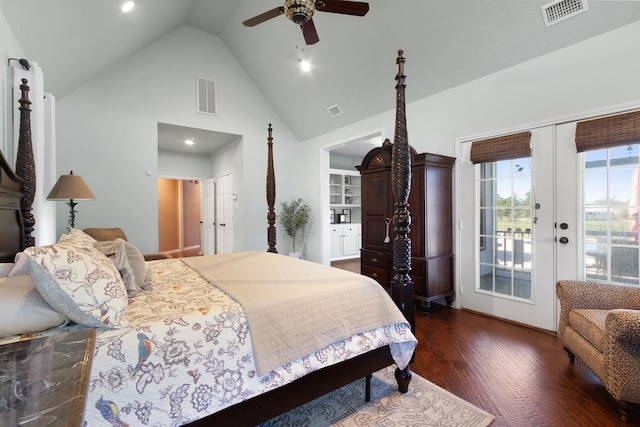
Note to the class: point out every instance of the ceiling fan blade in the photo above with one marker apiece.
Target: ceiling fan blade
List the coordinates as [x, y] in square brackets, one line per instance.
[264, 17]
[345, 7]
[309, 32]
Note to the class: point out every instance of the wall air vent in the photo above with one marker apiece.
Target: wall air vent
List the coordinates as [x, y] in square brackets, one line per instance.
[561, 10]
[207, 96]
[334, 111]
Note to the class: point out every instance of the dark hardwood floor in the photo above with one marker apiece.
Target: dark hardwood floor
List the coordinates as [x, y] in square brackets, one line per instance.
[520, 375]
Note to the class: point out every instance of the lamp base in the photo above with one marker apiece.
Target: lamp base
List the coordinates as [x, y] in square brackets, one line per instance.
[72, 213]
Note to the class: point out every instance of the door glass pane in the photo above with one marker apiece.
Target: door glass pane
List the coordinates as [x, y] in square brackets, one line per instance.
[610, 214]
[504, 215]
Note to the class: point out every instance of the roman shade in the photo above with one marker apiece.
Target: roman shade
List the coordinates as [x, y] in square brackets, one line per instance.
[606, 132]
[514, 146]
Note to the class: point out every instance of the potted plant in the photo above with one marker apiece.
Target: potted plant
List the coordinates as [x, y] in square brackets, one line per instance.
[294, 217]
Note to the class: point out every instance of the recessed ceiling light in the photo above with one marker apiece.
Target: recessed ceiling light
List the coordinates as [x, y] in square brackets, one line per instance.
[127, 6]
[189, 141]
[305, 66]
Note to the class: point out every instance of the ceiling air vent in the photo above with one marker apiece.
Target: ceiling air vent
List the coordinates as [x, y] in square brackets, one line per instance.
[562, 10]
[334, 111]
[206, 94]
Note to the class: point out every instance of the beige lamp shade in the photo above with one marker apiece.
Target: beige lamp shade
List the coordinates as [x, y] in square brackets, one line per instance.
[70, 187]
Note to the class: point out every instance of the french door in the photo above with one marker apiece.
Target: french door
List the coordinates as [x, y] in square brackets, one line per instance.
[508, 211]
[557, 214]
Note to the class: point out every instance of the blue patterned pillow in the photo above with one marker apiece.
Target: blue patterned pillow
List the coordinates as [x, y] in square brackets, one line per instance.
[80, 283]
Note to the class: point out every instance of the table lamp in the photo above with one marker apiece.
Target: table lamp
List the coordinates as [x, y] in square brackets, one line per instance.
[71, 187]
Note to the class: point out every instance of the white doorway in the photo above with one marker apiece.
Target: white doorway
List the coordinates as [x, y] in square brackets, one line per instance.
[224, 199]
[179, 216]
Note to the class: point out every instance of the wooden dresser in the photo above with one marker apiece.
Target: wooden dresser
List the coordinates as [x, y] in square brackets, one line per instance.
[430, 205]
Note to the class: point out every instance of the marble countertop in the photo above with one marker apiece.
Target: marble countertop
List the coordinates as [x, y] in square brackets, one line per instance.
[43, 381]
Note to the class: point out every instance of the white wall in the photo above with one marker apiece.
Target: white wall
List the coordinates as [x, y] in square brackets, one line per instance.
[341, 162]
[183, 165]
[107, 133]
[591, 75]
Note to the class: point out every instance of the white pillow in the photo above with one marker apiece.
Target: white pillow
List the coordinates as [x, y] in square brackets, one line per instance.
[23, 310]
[134, 256]
[5, 268]
[136, 261]
[80, 283]
[117, 254]
[21, 266]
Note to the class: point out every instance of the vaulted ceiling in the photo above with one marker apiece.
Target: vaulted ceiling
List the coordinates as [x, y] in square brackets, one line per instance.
[446, 43]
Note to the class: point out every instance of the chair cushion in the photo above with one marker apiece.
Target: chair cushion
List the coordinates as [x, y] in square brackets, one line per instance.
[589, 323]
[102, 234]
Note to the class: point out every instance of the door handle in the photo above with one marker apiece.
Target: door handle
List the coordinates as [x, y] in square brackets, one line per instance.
[564, 240]
[222, 225]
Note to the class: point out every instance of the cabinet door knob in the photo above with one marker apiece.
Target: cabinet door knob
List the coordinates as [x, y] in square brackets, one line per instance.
[374, 276]
[375, 260]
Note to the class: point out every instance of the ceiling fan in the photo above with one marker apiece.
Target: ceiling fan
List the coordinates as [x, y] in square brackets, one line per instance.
[301, 13]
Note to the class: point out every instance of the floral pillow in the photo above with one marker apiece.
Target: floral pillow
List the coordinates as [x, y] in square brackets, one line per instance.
[78, 238]
[80, 283]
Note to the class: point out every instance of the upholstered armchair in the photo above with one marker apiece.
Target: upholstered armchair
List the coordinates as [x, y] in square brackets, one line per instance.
[600, 323]
[106, 234]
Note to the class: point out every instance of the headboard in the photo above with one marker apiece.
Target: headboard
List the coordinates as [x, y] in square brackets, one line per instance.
[17, 189]
[11, 226]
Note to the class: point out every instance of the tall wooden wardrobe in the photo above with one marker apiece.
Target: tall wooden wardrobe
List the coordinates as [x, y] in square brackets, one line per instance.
[430, 205]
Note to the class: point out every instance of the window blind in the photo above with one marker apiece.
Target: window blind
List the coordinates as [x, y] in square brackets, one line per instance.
[506, 147]
[610, 131]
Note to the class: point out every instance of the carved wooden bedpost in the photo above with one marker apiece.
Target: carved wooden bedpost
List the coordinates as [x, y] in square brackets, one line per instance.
[402, 285]
[271, 196]
[25, 165]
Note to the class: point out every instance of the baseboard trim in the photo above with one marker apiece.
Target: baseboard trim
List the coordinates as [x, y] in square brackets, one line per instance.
[513, 322]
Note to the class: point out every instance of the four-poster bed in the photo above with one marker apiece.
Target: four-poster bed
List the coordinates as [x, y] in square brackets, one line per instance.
[260, 390]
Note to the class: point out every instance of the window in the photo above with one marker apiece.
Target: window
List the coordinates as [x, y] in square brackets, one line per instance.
[610, 211]
[504, 214]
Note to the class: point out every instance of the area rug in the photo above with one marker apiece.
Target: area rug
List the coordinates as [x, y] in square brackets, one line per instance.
[425, 404]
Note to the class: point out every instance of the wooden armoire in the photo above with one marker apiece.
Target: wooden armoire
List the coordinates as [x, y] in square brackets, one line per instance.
[430, 205]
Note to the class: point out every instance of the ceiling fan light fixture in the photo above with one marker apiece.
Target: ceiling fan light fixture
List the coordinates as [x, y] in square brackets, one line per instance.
[299, 11]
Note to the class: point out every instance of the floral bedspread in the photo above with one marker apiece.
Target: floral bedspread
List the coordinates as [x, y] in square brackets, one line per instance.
[189, 355]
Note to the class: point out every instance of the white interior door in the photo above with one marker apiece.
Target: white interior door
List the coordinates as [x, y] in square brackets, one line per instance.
[208, 217]
[224, 214]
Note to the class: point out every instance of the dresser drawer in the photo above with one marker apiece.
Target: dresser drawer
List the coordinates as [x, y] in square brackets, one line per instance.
[419, 288]
[375, 259]
[378, 274]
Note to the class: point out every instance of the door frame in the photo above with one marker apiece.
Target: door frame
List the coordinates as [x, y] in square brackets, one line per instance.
[553, 122]
[180, 229]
